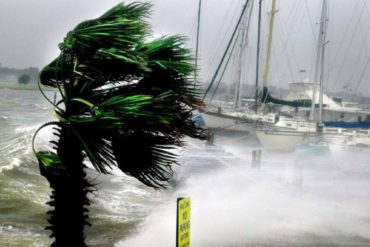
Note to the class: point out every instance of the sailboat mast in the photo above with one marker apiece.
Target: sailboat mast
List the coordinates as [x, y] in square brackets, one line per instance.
[319, 68]
[324, 42]
[229, 45]
[269, 45]
[197, 44]
[240, 64]
[242, 46]
[258, 54]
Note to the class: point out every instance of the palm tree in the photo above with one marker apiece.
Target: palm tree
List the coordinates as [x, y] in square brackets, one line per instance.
[126, 101]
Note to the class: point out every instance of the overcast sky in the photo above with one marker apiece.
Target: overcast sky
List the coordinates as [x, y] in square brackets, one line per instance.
[30, 31]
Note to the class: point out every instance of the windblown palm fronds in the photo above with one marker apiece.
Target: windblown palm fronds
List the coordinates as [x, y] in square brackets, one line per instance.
[126, 102]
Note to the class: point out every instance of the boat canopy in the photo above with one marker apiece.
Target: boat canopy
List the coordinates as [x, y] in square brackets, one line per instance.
[350, 125]
[268, 98]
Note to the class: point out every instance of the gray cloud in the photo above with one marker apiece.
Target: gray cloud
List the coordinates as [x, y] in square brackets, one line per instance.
[31, 30]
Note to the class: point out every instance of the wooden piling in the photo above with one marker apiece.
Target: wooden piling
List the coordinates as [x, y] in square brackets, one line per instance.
[256, 158]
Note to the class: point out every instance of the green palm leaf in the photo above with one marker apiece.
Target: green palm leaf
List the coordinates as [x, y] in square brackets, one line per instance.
[127, 102]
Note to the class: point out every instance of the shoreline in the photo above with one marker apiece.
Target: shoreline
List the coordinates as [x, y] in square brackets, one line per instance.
[17, 86]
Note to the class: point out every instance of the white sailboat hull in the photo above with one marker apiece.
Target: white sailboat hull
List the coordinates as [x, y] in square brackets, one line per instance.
[222, 122]
[289, 139]
[284, 140]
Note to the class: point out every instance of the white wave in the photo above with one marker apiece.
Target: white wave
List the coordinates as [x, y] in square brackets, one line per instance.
[26, 129]
[284, 203]
[41, 107]
[14, 163]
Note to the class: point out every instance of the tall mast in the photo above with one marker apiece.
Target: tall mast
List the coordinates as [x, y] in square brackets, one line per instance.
[269, 45]
[242, 46]
[325, 19]
[197, 44]
[319, 68]
[240, 62]
[258, 54]
[229, 45]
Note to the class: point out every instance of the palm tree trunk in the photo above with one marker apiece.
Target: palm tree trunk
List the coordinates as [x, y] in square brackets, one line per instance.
[69, 194]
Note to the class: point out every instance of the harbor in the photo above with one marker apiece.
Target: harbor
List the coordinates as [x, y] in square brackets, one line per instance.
[185, 123]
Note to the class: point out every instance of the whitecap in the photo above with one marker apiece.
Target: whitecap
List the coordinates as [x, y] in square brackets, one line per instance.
[26, 129]
[16, 162]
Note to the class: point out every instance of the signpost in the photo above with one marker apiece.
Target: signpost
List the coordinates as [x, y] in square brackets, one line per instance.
[183, 222]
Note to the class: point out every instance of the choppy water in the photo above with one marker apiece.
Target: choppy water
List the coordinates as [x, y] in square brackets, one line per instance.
[293, 199]
[120, 205]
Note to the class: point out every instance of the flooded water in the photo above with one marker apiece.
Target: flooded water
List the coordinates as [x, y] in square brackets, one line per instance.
[304, 198]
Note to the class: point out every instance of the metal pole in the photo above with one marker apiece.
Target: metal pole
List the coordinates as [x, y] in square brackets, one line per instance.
[243, 36]
[322, 59]
[269, 44]
[197, 45]
[319, 59]
[258, 54]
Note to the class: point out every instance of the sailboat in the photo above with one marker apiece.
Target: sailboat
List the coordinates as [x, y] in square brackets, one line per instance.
[331, 132]
[241, 116]
[281, 128]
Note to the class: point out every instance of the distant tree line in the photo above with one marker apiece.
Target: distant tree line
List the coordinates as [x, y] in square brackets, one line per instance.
[23, 76]
[24, 79]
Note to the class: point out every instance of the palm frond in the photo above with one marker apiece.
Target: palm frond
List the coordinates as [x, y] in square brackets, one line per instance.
[123, 27]
[133, 11]
[50, 164]
[145, 156]
[128, 100]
